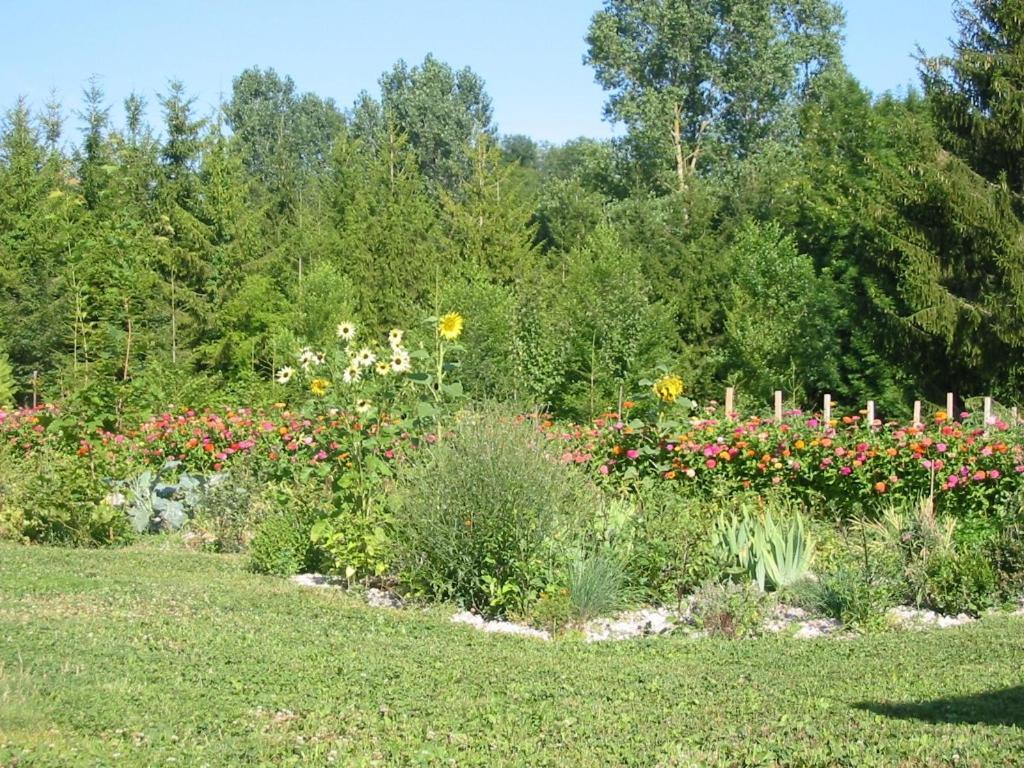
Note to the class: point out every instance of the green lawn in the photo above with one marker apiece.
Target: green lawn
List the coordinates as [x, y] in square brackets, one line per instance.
[150, 656]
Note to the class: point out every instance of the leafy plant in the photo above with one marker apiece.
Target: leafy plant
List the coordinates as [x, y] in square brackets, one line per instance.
[598, 585]
[856, 599]
[283, 544]
[62, 501]
[155, 505]
[732, 610]
[964, 582]
[484, 515]
[774, 553]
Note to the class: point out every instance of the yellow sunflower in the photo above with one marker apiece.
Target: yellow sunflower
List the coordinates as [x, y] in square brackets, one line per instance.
[668, 388]
[319, 387]
[450, 326]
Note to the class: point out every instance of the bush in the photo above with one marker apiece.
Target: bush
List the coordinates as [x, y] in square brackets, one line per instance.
[485, 515]
[60, 500]
[731, 610]
[1006, 553]
[598, 586]
[963, 582]
[228, 512]
[282, 544]
[668, 538]
[856, 599]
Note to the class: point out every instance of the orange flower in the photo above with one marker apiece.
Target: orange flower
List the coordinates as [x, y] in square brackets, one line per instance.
[880, 487]
[799, 445]
[890, 452]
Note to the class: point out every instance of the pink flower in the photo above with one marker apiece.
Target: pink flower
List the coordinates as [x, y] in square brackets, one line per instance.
[846, 471]
[952, 481]
[632, 453]
[604, 469]
[711, 463]
[941, 447]
[994, 474]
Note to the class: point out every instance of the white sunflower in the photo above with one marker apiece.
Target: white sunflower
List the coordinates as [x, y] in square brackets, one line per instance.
[351, 375]
[285, 374]
[346, 331]
[395, 338]
[400, 361]
[364, 358]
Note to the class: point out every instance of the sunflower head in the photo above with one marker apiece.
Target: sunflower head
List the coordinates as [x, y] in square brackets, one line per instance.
[346, 331]
[450, 326]
[668, 388]
[319, 387]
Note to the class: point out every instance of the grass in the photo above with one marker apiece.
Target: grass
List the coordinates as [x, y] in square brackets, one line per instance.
[151, 656]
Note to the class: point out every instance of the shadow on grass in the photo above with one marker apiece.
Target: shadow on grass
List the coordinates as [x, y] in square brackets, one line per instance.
[1003, 707]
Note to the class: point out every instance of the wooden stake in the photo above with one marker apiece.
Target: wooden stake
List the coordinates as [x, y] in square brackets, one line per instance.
[988, 411]
[949, 407]
[826, 411]
[917, 413]
[730, 394]
[1013, 415]
[778, 405]
[871, 414]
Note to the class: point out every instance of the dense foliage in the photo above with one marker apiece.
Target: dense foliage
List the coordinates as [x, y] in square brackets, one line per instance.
[763, 222]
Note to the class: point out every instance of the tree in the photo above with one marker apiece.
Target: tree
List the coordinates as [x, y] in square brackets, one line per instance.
[977, 94]
[489, 219]
[781, 317]
[285, 137]
[440, 110]
[682, 72]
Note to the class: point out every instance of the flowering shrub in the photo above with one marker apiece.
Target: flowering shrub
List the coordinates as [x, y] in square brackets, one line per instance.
[845, 462]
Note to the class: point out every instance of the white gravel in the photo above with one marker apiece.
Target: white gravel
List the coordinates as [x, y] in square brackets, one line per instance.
[657, 621]
[318, 580]
[499, 627]
[917, 618]
[649, 621]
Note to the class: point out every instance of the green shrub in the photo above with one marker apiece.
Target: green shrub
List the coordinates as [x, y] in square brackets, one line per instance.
[669, 555]
[282, 544]
[553, 610]
[963, 582]
[228, 512]
[598, 586]
[63, 501]
[732, 610]
[856, 599]
[1006, 554]
[774, 550]
[485, 515]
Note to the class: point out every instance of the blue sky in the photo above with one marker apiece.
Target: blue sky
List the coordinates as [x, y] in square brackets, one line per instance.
[529, 52]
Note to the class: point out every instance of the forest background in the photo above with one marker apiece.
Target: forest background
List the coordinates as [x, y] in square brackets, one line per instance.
[761, 221]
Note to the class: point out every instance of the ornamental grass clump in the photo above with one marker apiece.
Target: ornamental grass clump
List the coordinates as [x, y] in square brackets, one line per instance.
[484, 517]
